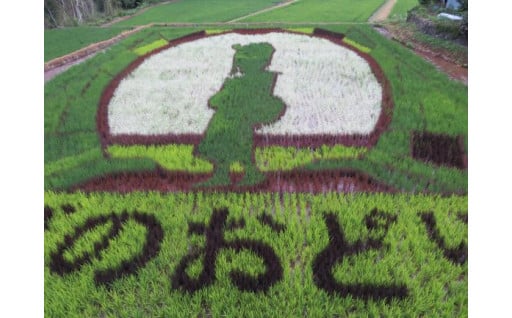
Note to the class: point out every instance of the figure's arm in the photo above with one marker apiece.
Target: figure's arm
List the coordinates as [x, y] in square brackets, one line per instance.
[214, 102]
[218, 99]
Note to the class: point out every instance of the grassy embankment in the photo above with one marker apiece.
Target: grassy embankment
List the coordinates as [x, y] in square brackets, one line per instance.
[412, 36]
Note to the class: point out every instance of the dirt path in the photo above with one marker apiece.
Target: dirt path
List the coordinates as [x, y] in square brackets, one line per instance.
[61, 64]
[453, 70]
[441, 59]
[383, 12]
[277, 6]
[51, 73]
[455, 66]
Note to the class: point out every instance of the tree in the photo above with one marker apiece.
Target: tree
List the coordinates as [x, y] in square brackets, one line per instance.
[130, 4]
[464, 5]
[58, 13]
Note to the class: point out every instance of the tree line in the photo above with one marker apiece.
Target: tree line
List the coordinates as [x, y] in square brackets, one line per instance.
[59, 13]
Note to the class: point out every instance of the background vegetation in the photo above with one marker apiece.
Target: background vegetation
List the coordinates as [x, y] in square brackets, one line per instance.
[400, 9]
[59, 13]
[426, 18]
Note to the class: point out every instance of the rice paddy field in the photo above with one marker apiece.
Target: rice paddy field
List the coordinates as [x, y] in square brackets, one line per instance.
[303, 167]
[59, 42]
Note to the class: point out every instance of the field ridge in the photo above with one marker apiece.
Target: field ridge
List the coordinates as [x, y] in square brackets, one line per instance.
[279, 5]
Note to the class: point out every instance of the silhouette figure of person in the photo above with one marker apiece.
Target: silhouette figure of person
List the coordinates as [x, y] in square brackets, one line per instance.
[244, 101]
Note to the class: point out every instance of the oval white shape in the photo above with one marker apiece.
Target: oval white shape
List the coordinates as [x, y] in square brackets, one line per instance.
[327, 88]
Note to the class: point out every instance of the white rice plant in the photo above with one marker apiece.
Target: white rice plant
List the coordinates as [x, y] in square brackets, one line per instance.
[328, 89]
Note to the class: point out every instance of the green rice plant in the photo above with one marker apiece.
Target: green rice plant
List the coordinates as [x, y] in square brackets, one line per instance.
[282, 158]
[173, 33]
[424, 100]
[85, 244]
[415, 108]
[97, 168]
[236, 167]
[338, 152]
[72, 161]
[358, 46]
[59, 147]
[387, 242]
[445, 112]
[72, 147]
[197, 11]
[150, 47]
[62, 41]
[275, 158]
[171, 157]
[361, 36]
[302, 30]
[323, 11]
[244, 101]
[215, 31]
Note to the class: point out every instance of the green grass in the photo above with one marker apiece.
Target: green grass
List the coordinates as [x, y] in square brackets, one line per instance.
[320, 11]
[236, 167]
[437, 287]
[197, 11]
[277, 158]
[59, 42]
[170, 157]
[176, 157]
[302, 30]
[358, 46]
[400, 9]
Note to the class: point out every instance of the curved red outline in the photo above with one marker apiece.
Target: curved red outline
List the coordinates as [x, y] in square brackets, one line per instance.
[259, 140]
[309, 181]
[296, 181]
